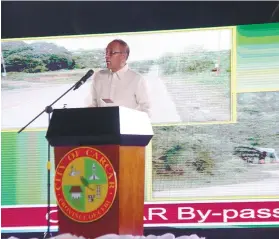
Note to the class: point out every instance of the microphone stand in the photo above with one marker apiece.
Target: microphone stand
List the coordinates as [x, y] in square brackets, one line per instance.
[48, 109]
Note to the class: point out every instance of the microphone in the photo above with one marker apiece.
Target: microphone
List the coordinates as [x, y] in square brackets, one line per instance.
[83, 79]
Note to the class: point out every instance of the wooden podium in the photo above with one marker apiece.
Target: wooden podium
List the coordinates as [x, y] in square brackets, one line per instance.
[120, 134]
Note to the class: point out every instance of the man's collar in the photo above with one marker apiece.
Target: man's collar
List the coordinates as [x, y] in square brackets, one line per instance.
[122, 70]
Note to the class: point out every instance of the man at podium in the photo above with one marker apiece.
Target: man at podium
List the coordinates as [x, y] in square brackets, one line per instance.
[118, 85]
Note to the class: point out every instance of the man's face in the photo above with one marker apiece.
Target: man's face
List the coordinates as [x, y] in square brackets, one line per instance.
[115, 56]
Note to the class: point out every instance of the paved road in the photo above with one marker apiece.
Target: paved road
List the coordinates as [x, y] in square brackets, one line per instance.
[21, 106]
[266, 187]
[163, 107]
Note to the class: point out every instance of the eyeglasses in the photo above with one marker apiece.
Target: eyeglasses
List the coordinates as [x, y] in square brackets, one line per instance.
[112, 53]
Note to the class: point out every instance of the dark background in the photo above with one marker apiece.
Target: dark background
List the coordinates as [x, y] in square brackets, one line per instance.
[52, 18]
[34, 19]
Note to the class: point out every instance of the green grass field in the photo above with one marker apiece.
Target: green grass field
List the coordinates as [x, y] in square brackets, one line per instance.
[201, 156]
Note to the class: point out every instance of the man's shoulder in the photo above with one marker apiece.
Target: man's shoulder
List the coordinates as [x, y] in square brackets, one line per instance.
[135, 73]
[102, 72]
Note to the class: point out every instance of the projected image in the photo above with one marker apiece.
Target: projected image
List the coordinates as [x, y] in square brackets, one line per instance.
[229, 160]
[189, 74]
[216, 127]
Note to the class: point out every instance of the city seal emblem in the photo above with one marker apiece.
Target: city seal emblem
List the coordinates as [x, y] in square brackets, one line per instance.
[85, 184]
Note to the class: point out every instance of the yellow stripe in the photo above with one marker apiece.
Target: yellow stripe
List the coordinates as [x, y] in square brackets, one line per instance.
[113, 34]
[149, 170]
[233, 78]
[48, 165]
[194, 123]
[12, 130]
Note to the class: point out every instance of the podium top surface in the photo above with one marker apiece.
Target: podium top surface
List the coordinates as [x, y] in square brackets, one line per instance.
[97, 126]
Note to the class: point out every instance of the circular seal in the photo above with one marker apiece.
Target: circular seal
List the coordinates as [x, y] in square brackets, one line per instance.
[85, 184]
